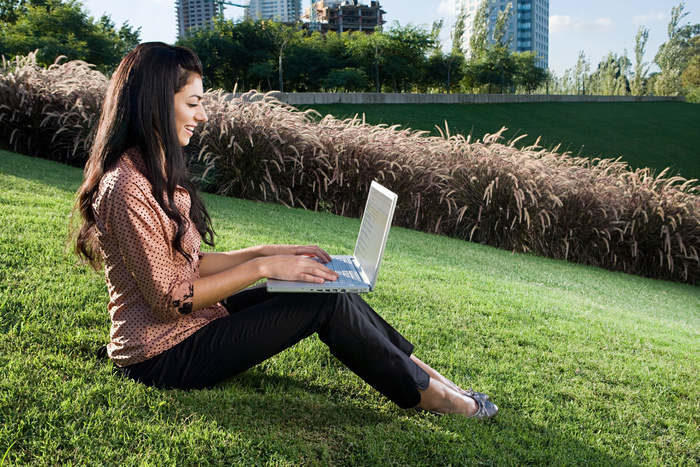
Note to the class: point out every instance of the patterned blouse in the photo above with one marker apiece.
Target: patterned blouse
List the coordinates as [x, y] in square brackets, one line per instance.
[150, 283]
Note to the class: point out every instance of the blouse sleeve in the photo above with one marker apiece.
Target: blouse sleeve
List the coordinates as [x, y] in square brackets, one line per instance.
[141, 230]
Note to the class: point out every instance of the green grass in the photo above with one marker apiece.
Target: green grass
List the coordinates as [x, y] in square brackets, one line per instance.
[587, 366]
[644, 134]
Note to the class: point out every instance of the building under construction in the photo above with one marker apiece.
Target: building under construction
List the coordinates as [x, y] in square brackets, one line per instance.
[195, 14]
[344, 15]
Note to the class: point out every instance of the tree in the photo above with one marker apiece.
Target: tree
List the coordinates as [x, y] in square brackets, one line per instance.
[610, 79]
[456, 59]
[580, 72]
[670, 56]
[10, 10]
[491, 63]
[222, 54]
[528, 75]
[312, 57]
[640, 67]
[478, 42]
[405, 55]
[347, 79]
[56, 28]
[500, 29]
[690, 78]
[369, 49]
[495, 68]
[281, 36]
[443, 69]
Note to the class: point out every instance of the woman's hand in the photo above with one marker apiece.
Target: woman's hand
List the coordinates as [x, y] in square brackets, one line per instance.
[222, 274]
[297, 250]
[298, 267]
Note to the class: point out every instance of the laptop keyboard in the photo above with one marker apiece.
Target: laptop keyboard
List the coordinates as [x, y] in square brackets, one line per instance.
[346, 269]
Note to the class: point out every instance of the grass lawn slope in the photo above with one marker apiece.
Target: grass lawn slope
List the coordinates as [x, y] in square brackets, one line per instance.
[643, 134]
[587, 366]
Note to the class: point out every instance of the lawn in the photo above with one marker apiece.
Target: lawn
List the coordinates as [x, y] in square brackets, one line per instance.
[644, 134]
[587, 366]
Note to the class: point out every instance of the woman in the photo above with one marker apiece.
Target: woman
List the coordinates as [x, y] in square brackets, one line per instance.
[183, 318]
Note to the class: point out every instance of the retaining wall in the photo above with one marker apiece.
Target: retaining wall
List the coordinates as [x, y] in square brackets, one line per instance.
[310, 98]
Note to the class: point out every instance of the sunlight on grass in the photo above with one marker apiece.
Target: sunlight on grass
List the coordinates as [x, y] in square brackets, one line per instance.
[587, 366]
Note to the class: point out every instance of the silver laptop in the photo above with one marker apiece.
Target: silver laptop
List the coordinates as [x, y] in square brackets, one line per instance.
[358, 273]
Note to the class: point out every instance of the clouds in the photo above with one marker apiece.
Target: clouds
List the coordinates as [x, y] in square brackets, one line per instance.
[446, 7]
[559, 24]
[562, 23]
[645, 18]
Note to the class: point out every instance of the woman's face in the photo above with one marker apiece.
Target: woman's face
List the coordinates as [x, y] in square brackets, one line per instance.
[188, 109]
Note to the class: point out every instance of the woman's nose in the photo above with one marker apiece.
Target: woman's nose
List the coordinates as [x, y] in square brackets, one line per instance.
[201, 115]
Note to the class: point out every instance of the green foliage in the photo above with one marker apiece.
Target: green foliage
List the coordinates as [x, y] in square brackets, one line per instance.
[404, 57]
[690, 78]
[610, 79]
[494, 70]
[478, 42]
[500, 28]
[638, 84]
[492, 66]
[613, 75]
[445, 71]
[587, 366]
[346, 80]
[670, 56]
[369, 50]
[58, 28]
[458, 31]
[268, 56]
[528, 76]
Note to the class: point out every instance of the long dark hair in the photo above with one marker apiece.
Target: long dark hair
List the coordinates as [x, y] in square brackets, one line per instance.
[138, 112]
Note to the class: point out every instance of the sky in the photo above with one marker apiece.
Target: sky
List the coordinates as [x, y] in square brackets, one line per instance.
[594, 27]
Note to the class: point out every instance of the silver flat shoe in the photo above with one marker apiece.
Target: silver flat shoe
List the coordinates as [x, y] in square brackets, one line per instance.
[487, 409]
[471, 393]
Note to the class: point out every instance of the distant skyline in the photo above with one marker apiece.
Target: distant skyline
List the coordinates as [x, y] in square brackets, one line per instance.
[594, 26]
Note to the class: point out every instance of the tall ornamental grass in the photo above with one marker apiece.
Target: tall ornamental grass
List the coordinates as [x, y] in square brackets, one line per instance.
[596, 212]
[49, 112]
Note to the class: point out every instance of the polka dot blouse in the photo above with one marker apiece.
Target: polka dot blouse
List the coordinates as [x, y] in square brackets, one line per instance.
[150, 283]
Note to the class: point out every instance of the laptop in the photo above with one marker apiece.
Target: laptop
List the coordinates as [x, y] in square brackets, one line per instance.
[358, 273]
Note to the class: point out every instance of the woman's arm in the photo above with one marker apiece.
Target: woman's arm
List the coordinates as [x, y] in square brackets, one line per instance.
[223, 283]
[213, 263]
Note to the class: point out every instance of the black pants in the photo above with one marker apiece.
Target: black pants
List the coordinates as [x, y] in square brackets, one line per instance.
[261, 324]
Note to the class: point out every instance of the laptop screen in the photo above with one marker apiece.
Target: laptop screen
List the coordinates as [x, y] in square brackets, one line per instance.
[374, 230]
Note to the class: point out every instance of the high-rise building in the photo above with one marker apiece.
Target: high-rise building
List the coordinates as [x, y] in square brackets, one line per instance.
[194, 14]
[528, 26]
[284, 11]
[344, 15]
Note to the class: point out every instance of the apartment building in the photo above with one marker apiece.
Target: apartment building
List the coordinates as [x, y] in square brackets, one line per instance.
[284, 11]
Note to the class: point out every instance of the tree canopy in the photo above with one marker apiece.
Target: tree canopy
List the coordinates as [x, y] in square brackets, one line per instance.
[266, 55]
[57, 28]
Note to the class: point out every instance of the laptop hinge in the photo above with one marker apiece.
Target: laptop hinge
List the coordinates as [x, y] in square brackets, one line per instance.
[363, 276]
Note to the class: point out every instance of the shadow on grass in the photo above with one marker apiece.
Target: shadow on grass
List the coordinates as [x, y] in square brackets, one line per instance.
[309, 423]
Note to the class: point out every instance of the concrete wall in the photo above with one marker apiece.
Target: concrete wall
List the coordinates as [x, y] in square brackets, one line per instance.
[311, 98]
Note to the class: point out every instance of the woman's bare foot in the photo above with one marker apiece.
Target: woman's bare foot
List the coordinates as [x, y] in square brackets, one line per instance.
[437, 376]
[443, 399]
